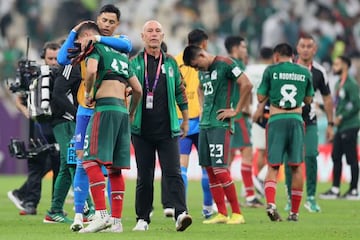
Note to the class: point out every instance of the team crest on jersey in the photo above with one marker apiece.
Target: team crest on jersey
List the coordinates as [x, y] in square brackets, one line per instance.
[213, 75]
[171, 72]
[236, 71]
[342, 93]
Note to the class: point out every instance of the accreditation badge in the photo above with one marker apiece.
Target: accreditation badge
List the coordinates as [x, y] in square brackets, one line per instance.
[149, 100]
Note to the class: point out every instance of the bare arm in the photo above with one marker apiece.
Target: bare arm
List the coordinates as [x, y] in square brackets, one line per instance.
[245, 87]
[91, 69]
[308, 100]
[328, 106]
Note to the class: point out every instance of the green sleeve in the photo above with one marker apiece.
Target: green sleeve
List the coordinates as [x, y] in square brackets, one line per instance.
[180, 93]
[309, 88]
[234, 71]
[264, 85]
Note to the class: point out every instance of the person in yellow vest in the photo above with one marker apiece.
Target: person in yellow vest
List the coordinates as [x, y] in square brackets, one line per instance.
[190, 76]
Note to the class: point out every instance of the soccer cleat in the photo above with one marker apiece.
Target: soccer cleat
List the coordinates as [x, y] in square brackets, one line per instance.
[254, 203]
[218, 218]
[78, 224]
[56, 217]
[15, 198]
[115, 228]
[183, 221]
[207, 212]
[96, 225]
[273, 213]
[352, 194]
[329, 195]
[141, 225]
[311, 205]
[236, 218]
[169, 212]
[29, 209]
[89, 215]
[293, 217]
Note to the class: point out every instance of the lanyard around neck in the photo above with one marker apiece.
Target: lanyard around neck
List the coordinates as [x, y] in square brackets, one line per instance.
[157, 76]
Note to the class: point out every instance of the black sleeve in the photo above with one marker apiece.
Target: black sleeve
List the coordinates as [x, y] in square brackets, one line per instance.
[62, 87]
[321, 83]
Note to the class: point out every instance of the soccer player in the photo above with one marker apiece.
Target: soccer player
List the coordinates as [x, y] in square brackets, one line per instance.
[237, 50]
[217, 83]
[306, 48]
[287, 85]
[196, 37]
[347, 121]
[108, 20]
[156, 127]
[107, 75]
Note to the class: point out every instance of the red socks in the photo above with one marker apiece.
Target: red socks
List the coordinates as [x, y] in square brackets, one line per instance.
[246, 174]
[296, 195]
[117, 193]
[97, 183]
[270, 191]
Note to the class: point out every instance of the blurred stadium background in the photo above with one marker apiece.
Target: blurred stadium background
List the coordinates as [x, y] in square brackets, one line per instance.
[334, 23]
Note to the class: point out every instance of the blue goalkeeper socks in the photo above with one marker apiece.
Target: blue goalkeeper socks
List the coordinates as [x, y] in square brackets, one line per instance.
[184, 177]
[208, 200]
[81, 187]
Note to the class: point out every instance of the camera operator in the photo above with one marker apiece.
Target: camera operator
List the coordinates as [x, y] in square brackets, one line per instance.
[27, 197]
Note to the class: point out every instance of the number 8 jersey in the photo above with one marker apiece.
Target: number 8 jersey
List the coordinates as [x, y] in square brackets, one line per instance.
[286, 84]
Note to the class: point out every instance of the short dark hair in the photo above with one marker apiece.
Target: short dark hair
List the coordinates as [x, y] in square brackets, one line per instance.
[190, 53]
[88, 26]
[197, 36]
[266, 53]
[284, 49]
[345, 60]
[110, 8]
[232, 41]
[49, 45]
[306, 36]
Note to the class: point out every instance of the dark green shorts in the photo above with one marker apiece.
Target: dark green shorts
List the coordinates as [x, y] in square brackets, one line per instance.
[311, 140]
[214, 146]
[107, 139]
[242, 135]
[285, 136]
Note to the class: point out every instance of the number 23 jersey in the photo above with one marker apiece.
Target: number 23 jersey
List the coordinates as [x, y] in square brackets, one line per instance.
[217, 85]
[286, 84]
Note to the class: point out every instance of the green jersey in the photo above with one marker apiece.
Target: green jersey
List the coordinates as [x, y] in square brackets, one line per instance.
[112, 64]
[217, 85]
[236, 94]
[347, 102]
[286, 84]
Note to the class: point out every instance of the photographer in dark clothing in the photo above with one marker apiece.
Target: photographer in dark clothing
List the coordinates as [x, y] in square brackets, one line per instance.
[27, 197]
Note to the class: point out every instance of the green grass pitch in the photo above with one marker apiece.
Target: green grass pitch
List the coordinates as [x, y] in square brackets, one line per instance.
[339, 219]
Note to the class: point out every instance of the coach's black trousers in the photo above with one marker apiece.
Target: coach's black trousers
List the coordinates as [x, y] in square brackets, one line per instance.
[169, 158]
[345, 142]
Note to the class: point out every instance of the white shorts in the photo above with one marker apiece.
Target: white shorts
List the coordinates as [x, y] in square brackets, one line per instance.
[258, 136]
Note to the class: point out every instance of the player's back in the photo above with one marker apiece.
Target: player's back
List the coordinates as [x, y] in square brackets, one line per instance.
[289, 84]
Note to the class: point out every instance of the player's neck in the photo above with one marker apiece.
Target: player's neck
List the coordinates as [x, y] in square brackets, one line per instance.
[305, 62]
[153, 51]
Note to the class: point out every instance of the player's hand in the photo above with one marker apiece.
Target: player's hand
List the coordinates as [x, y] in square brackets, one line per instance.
[89, 101]
[258, 115]
[329, 133]
[184, 128]
[225, 113]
